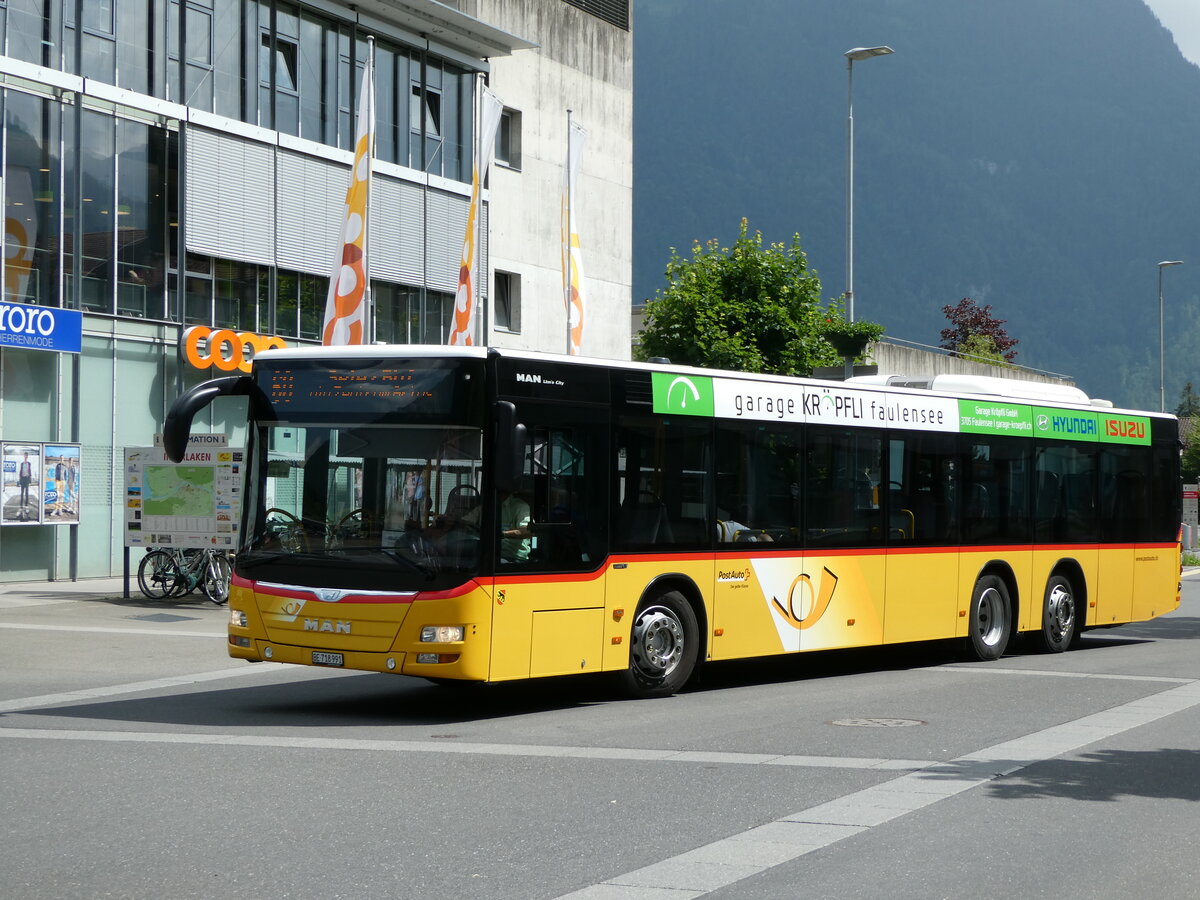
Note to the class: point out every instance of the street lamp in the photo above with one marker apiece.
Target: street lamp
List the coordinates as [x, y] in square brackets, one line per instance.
[1162, 396]
[851, 56]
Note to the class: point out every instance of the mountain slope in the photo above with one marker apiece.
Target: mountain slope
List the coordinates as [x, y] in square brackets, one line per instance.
[1041, 157]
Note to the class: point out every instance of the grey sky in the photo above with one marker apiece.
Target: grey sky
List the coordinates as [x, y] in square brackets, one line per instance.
[1182, 18]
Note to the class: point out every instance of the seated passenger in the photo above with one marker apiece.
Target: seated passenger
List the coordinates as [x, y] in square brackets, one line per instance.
[731, 531]
[516, 536]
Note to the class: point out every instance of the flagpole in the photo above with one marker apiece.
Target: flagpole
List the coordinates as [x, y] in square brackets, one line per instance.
[484, 308]
[568, 234]
[369, 295]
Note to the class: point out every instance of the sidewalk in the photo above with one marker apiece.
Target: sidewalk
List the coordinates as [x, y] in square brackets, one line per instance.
[39, 593]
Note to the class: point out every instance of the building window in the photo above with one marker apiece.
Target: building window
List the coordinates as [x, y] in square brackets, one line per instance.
[31, 198]
[27, 24]
[426, 111]
[506, 302]
[282, 59]
[508, 139]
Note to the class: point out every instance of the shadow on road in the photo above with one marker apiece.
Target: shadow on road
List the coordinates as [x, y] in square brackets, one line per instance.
[1173, 628]
[1099, 775]
[316, 699]
[320, 699]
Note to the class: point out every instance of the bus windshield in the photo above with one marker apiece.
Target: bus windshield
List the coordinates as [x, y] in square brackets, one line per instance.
[369, 507]
[365, 475]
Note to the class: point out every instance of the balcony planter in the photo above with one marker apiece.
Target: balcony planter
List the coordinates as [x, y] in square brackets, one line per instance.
[850, 339]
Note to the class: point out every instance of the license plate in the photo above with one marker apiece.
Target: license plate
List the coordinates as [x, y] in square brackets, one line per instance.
[320, 658]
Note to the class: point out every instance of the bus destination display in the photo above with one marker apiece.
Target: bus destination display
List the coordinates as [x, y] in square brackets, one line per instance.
[378, 389]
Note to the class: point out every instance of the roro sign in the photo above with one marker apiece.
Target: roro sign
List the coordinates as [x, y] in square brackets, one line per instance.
[32, 327]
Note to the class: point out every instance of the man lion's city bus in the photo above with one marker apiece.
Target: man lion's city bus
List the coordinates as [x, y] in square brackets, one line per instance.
[485, 515]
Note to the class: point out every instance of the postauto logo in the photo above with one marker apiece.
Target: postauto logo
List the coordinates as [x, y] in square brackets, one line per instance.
[224, 349]
[685, 395]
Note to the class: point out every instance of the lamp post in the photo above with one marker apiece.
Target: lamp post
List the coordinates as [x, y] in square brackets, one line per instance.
[1162, 396]
[851, 56]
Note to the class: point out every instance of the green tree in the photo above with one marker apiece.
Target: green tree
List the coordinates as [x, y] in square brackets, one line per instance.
[747, 308]
[1189, 403]
[1189, 461]
[981, 348]
[970, 320]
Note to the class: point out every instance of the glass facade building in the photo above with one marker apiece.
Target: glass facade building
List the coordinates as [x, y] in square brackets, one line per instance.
[169, 163]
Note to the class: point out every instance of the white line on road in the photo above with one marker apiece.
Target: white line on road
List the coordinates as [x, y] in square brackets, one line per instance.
[99, 629]
[984, 669]
[721, 863]
[136, 687]
[526, 750]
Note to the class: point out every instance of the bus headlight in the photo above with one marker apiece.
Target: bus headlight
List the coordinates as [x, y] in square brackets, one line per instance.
[237, 618]
[442, 634]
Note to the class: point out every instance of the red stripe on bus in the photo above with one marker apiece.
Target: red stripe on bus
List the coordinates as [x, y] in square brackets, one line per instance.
[362, 599]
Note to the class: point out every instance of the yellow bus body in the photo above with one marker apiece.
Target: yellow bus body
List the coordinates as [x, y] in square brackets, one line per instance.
[750, 604]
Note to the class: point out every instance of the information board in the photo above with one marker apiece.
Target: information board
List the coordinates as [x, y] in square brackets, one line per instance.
[194, 503]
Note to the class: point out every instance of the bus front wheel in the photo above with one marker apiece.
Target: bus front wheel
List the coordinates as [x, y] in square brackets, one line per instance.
[1059, 623]
[990, 617]
[663, 645]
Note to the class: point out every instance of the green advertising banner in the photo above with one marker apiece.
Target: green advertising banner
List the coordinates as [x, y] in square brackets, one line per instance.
[685, 395]
[989, 417]
[1122, 428]
[1066, 424]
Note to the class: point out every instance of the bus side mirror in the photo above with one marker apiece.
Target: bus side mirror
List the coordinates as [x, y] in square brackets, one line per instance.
[178, 425]
[511, 437]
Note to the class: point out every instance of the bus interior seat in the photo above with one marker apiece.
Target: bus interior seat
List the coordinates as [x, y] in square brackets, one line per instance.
[646, 521]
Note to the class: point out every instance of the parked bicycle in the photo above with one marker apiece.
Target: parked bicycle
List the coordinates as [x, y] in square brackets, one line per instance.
[173, 573]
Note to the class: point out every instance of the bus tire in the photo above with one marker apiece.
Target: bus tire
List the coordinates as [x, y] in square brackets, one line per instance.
[1059, 615]
[664, 642]
[990, 618]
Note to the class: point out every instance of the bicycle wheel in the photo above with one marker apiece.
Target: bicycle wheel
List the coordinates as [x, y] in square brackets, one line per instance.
[217, 575]
[158, 574]
[190, 562]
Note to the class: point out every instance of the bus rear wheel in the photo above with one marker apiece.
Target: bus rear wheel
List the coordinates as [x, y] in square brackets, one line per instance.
[663, 644]
[1059, 622]
[990, 618]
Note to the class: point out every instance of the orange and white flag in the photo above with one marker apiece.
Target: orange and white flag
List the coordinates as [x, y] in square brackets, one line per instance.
[572, 261]
[466, 299]
[346, 304]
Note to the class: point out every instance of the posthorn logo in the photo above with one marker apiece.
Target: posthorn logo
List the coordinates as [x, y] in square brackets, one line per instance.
[682, 394]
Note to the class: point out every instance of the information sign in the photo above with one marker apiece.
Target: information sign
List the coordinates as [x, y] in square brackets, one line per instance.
[195, 503]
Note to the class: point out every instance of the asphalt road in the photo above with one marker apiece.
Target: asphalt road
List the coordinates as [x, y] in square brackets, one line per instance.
[139, 761]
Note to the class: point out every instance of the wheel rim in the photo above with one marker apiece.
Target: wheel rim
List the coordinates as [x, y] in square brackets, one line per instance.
[657, 642]
[1060, 613]
[989, 622]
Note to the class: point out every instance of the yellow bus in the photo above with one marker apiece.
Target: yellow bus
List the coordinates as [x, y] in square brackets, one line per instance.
[487, 515]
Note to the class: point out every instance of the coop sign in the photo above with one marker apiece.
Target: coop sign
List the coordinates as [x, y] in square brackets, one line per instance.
[223, 349]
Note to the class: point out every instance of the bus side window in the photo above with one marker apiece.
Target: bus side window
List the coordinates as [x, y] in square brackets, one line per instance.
[662, 478]
[564, 492]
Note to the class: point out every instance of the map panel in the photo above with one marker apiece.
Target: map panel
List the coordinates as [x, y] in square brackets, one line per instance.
[178, 490]
[196, 503]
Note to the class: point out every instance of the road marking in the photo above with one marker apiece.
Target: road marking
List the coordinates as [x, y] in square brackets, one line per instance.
[983, 669]
[729, 860]
[136, 687]
[98, 629]
[525, 750]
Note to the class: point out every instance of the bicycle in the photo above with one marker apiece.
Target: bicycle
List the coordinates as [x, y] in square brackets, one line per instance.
[168, 574]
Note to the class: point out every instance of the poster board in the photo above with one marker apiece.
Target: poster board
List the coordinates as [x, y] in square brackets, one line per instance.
[195, 503]
[41, 483]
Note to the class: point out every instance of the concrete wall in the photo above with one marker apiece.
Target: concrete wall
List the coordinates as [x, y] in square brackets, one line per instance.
[895, 359]
[586, 65]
